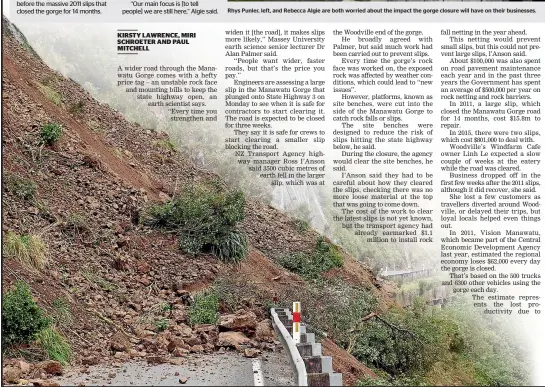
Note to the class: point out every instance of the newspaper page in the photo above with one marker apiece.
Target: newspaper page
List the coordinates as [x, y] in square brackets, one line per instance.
[280, 193]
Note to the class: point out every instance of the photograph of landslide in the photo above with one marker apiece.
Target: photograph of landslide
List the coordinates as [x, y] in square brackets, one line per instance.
[136, 253]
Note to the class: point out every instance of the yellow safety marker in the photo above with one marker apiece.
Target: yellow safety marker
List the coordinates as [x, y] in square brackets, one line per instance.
[296, 322]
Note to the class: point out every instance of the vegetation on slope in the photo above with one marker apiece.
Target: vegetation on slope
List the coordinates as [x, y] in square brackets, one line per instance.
[50, 134]
[204, 309]
[29, 250]
[205, 219]
[24, 323]
[312, 266]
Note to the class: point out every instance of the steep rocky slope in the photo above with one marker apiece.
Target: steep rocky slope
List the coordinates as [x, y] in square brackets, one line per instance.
[115, 273]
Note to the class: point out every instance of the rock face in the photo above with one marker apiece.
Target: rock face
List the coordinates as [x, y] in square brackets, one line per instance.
[240, 321]
[232, 339]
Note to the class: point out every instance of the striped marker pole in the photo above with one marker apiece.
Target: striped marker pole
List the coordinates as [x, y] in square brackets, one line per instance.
[297, 322]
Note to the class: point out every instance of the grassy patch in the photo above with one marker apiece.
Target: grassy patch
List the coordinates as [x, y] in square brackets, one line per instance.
[205, 220]
[301, 226]
[166, 307]
[118, 152]
[121, 153]
[311, 266]
[50, 94]
[49, 80]
[156, 316]
[166, 144]
[19, 186]
[204, 309]
[55, 345]
[29, 250]
[161, 324]
[22, 318]
[233, 247]
[50, 133]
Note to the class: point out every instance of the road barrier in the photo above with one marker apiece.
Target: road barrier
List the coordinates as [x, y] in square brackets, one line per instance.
[310, 367]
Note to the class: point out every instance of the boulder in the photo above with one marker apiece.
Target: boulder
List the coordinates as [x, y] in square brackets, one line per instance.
[193, 340]
[51, 367]
[90, 360]
[162, 340]
[23, 366]
[183, 330]
[196, 349]
[176, 343]
[232, 339]
[264, 331]
[11, 374]
[123, 356]
[154, 360]
[240, 321]
[119, 343]
[179, 316]
[251, 352]
[179, 352]
[205, 328]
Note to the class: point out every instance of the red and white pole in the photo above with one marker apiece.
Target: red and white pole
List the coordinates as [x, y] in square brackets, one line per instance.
[296, 322]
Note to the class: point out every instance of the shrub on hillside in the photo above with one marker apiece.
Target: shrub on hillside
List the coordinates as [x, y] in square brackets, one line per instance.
[167, 145]
[161, 324]
[22, 318]
[311, 266]
[205, 219]
[50, 134]
[411, 343]
[204, 309]
[328, 254]
[392, 350]
[301, 226]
